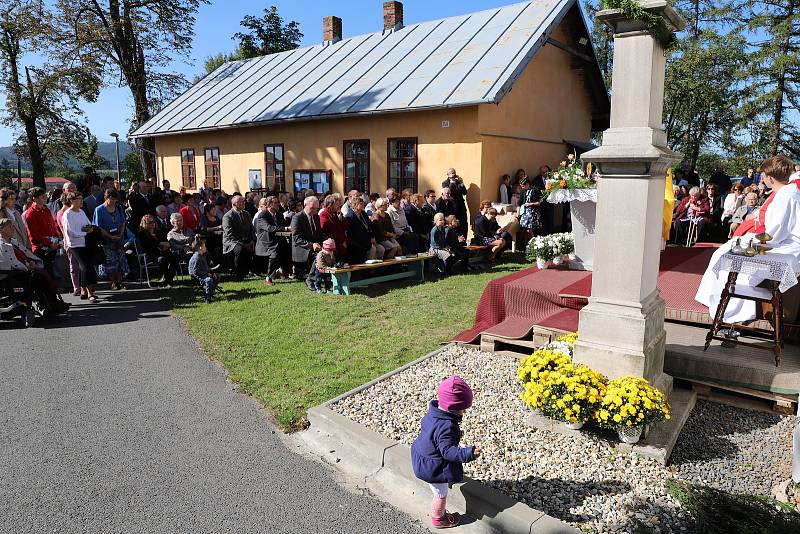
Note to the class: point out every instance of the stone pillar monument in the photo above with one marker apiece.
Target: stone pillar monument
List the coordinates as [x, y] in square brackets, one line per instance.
[622, 327]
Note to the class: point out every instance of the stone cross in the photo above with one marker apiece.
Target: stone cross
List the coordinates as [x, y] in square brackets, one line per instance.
[622, 327]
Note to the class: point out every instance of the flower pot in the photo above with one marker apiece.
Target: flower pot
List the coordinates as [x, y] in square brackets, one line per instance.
[571, 256]
[541, 263]
[629, 434]
[558, 260]
[573, 426]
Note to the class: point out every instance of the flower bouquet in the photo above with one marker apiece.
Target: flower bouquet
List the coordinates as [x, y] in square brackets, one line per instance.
[572, 395]
[570, 175]
[628, 405]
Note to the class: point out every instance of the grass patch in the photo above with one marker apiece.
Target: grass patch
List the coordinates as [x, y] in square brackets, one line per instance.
[294, 349]
[718, 512]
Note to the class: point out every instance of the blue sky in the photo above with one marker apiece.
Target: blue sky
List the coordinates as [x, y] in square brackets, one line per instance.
[216, 24]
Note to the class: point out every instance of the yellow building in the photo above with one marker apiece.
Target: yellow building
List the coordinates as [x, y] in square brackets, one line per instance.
[486, 93]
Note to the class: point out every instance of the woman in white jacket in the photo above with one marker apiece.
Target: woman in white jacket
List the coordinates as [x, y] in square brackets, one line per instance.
[76, 225]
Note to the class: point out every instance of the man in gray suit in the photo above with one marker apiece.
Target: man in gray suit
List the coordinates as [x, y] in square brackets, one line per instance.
[238, 237]
[268, 245]
[306, 238]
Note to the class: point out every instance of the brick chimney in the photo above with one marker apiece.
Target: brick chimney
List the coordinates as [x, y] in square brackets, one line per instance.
[392, 16]
[331, 29]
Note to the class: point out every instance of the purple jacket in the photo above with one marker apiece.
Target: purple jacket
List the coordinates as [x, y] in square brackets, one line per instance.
[435, 454]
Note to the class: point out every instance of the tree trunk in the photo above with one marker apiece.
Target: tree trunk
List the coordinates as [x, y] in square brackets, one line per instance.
[142, 111]
[35, 153]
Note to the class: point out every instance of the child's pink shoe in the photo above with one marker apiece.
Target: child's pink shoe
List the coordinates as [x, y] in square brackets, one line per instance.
[446, 521]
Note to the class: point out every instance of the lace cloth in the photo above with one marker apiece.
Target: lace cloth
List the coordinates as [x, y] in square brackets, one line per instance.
[778, 267]
[559, 196]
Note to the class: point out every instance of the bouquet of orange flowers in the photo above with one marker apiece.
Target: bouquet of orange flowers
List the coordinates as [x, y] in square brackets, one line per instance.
[570, 175]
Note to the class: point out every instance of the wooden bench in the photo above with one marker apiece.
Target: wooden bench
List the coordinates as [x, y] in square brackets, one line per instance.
[341, 276]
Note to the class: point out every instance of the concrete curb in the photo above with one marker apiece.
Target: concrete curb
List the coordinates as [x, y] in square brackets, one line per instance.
[385, 467]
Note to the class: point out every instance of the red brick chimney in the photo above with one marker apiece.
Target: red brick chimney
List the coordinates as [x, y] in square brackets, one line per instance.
[392, 15]
[331, 29]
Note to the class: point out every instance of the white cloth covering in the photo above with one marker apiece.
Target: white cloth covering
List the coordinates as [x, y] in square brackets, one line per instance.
[73, 222]
[782, 222]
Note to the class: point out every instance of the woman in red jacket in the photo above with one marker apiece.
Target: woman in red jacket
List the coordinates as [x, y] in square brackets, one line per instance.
[694, 207]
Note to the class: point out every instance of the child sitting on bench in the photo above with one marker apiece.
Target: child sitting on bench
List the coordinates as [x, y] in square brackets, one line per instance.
[198, 269]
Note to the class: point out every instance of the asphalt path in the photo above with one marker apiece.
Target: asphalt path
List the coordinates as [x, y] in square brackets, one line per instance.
[112, 420]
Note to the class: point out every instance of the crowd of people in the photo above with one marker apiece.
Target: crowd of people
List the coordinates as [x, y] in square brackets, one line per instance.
[105, 232]
[715, 210]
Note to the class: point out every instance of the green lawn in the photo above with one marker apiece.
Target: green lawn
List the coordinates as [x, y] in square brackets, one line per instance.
[293, 349]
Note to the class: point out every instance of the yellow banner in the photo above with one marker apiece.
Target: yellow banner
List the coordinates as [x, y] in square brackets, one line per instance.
[669, 205]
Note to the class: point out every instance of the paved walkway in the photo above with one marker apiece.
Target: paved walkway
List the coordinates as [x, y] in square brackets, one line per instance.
[111, 420]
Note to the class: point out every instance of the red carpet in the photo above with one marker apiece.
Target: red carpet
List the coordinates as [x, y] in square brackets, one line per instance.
[551, 298]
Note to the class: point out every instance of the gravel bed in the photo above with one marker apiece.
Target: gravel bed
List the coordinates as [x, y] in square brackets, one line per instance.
[581, 479]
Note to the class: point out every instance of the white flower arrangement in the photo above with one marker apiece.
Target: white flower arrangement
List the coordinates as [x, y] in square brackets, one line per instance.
[551, 247]
[559, 346]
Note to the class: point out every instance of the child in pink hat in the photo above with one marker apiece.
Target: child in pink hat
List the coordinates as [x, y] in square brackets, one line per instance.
[435, 455]
[325, 260]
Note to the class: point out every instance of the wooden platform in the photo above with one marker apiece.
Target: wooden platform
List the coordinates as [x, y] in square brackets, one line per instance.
[720, 374]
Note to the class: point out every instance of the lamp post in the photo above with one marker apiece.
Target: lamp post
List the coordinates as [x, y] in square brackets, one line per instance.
[119, 178]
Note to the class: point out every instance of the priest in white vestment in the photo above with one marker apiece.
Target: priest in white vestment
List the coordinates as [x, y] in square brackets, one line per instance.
[782, 221]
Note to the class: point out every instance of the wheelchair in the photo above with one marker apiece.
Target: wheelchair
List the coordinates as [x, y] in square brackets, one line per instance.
[16, 297]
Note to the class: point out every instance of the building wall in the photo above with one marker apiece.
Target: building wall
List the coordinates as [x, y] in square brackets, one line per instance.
[319, 145]
[548, 103]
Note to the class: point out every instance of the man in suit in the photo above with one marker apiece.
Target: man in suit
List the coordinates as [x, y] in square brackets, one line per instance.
[306, 237]
[268, 245]
[90, 202]
[238, 237]
[139, 204]
[163, 226]
[458, 192]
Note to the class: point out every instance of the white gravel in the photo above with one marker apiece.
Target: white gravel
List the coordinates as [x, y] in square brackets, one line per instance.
[581, 480]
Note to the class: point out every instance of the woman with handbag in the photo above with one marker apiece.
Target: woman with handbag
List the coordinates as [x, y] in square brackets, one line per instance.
[76, 226]
[530, 216]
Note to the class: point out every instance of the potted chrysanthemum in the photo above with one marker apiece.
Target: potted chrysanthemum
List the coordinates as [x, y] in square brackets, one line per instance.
[629, 405]
[572, 395]
[534, 374]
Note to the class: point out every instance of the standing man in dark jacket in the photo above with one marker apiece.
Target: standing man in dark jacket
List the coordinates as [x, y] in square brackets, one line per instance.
[458, 192]
[238, 237]
[268, 244]
[306, 238]
[140, 205]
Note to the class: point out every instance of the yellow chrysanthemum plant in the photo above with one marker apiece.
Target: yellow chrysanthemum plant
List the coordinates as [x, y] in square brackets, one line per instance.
[633, 402]
[536, 370]
[573, 395]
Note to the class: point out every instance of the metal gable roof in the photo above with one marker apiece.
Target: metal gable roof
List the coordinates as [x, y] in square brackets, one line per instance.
[458, 61]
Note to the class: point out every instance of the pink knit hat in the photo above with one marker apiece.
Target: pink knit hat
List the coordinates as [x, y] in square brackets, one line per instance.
[329, 244]
[454, 394]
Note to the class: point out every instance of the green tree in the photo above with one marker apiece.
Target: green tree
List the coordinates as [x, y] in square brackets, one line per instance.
[86, 153]
[773, 74]
[131, 168]
[264, 35]
[43, 92]
[703, 85]
[5, 173]
[602, 40]
[135, 40]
